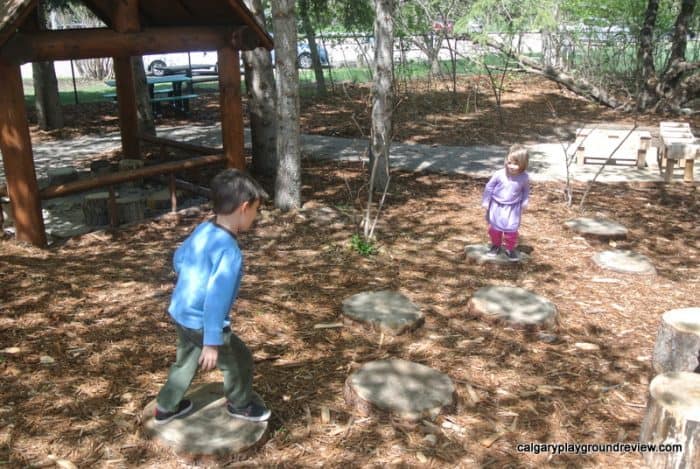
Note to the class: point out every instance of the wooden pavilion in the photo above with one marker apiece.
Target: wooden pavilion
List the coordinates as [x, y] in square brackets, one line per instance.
[134, 28]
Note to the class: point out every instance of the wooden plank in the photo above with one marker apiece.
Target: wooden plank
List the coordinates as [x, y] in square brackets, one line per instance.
[101, 42]
[18, 158]
[231, 107]
[131, 175]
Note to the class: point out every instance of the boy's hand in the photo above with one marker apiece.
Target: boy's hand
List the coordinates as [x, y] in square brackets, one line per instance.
[209, 357]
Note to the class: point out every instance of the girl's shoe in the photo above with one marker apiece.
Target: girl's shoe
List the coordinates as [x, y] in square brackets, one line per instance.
[493, 251]
[512, 255]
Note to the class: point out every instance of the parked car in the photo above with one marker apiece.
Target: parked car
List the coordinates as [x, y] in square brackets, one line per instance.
[207, 61]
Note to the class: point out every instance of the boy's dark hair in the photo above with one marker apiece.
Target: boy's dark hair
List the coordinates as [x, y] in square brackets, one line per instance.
[231, 187]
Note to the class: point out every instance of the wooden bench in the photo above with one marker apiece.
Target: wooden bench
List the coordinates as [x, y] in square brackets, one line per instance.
[609, 146]
[677, 144]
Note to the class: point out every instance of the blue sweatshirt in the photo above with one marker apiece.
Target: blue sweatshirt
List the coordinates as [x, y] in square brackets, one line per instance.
[209, 265]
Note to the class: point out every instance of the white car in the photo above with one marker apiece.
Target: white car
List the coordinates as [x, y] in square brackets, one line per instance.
[164, 64]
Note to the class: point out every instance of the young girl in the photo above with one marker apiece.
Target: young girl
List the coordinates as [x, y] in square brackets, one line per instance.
[505, 197]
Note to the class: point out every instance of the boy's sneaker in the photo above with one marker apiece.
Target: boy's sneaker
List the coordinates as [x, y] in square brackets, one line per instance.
[493, 251]
[512, 255]
[162, 416]
[253, 412]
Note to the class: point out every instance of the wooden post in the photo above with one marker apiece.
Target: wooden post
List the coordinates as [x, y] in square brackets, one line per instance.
[231, 107]
[18, 158]
[173, 194]
[644, 142]
[112, 208]
[126, 20]
[126, 98]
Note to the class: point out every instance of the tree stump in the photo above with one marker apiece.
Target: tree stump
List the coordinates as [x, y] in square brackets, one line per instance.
[673, 417]
[130, 209]
[477, 253]
[408, 390]
[95, 209]
[600, 228]
[61, 175]
[160, 200]
[98, 167]
[678, 342]
[515, 306]
[207, 429]
[390, 311]
[625, 262]
[129, 164]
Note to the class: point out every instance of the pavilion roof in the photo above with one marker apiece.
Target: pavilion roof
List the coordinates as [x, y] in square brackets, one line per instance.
[153, 13]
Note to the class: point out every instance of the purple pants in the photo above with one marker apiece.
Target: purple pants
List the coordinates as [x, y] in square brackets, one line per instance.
[497, 236]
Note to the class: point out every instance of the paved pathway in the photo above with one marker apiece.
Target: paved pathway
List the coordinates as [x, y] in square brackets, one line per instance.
[546, 164]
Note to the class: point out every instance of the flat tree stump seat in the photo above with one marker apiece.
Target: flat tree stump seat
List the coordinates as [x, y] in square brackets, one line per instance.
[407, 390]
[388, 310]
[513, 306]
[624, 262]
[600, 228]
[207, 429]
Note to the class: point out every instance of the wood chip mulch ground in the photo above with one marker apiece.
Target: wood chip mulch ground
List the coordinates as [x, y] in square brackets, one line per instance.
[85, 342]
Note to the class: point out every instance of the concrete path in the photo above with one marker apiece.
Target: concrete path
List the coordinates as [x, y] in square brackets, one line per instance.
[547, 161]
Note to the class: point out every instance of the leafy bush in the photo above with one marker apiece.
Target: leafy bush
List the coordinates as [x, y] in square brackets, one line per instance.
[363, 246]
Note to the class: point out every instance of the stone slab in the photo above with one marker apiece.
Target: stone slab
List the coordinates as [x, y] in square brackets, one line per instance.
[477, 253]
[624, 261]
[513, 305]
[405, 389]
[208, 429]
[386, 309]
[598, 227]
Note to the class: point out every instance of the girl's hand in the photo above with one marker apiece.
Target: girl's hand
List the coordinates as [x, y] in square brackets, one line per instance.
[209, 357]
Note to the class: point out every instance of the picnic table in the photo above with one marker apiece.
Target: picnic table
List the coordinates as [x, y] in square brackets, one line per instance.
[178, 93]
[678, 144]
[597, 145]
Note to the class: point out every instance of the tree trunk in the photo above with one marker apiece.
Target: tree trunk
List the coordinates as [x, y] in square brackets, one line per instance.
[677, 346]
[47, 98]
[669, 90]
[288, 182]
[260, 87]
[380, 138]
[146, 124]
[313, 48]
[645, 58]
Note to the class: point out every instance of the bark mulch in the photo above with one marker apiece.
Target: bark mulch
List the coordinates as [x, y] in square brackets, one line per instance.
[86, 342]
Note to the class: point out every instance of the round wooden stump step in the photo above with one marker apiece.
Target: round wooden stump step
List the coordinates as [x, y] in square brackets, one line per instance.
[95, 209]
[208, 429]
[597, 227]
[625, 262]
[673, 416]
[130, 208]
[407, 390]
[513, 305]
[386, 309]
[62, 175]
[677, 345]
[477, 253]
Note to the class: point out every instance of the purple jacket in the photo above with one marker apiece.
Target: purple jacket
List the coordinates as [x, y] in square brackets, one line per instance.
[505, 197]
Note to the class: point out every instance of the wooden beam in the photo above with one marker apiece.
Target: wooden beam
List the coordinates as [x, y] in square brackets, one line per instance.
[231, 107]
[126, 16]
[131, 175]
[244, 13]
[18, 158]
[101, 42]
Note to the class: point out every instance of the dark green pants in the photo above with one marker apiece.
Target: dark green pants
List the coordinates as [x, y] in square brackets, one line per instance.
[235, 361]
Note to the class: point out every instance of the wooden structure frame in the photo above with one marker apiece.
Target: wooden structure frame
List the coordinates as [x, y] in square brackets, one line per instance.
[134, 27]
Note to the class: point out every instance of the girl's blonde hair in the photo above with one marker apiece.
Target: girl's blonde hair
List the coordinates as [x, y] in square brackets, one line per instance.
[518, 153]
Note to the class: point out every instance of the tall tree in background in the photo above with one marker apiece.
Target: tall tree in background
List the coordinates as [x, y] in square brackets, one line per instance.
[380, 136]
[288, 181]
[260, 87]
[47, 99]
[305, 11]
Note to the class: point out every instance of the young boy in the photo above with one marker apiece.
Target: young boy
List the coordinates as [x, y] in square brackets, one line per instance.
[209, 265]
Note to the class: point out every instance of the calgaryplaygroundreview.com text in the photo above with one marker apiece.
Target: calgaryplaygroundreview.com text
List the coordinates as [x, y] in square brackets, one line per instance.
[576, 448]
